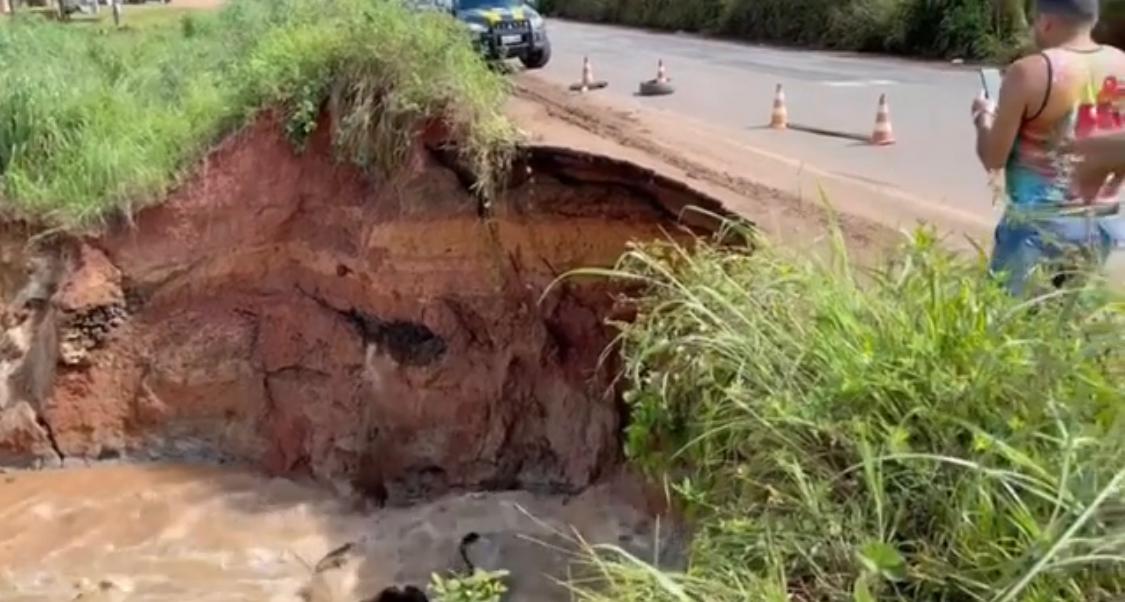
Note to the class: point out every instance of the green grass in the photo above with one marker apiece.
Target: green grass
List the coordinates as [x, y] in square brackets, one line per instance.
[906, 433]
[95, 119]
[133, 16]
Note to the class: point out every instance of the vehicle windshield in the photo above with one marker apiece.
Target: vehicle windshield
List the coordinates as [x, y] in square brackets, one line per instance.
[475, 4]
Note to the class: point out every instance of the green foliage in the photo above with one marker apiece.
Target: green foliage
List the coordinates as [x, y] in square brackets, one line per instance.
[1111, 28]
[945, 28]
[906, 433]
[481, 586]
[965, 28]
[670, 14]
[94, 118]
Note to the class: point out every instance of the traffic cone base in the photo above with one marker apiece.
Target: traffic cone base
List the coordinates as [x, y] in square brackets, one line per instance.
[661, 86]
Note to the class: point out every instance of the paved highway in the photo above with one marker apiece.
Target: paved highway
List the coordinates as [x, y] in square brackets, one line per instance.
[731, 85]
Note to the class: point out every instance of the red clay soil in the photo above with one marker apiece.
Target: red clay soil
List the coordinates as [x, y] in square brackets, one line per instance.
[291, 312]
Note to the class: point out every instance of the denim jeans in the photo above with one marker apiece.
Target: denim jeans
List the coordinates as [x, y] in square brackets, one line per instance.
[1059, 244]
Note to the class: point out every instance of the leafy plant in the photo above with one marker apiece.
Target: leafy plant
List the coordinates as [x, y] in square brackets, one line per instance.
[481, 586]
[305, 110]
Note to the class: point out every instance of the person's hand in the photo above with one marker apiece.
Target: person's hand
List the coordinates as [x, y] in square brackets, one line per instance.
[1099, 159]
[983, 110]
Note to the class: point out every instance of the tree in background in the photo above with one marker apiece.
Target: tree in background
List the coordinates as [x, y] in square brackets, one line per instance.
[938, 28]
[1011, 15]
[1111, 30]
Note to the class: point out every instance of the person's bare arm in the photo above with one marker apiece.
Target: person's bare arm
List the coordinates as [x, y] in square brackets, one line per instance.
[1106, 151]
[1099, 159]
[997, 126]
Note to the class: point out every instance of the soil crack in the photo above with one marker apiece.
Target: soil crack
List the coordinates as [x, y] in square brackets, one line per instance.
[46, 426]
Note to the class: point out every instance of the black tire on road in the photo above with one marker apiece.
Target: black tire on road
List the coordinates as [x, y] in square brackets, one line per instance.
[536, 59]
[656, 88]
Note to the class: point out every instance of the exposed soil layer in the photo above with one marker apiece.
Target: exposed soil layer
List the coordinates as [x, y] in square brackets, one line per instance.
[292, 312]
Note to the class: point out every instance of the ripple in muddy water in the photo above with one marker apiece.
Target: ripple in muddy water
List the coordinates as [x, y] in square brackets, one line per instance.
[198, 533]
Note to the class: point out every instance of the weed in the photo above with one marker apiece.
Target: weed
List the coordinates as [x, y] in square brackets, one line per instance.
[908, 433]
[481, 586]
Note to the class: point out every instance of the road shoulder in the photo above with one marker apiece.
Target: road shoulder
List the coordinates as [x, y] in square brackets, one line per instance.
[786, 198]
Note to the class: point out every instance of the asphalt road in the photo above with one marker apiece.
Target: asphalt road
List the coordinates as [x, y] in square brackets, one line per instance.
[731, 86]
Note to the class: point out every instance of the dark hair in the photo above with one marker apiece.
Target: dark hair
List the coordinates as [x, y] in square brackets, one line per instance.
[1079, 11]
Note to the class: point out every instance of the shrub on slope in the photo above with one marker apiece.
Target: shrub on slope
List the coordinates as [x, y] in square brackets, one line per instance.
[913, 433]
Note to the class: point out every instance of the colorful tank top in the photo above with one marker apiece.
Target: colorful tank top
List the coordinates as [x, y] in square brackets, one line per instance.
[1038, 173]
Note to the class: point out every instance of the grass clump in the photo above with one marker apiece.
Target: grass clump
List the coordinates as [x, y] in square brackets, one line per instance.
[908, 433]
[94, 118]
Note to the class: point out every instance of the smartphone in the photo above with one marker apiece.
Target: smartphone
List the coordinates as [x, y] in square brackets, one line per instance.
[990, 81]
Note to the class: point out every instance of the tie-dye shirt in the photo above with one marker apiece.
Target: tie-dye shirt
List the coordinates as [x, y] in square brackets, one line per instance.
[1038, 174]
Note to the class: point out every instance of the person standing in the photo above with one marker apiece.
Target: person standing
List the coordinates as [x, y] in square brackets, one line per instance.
[1067, 91]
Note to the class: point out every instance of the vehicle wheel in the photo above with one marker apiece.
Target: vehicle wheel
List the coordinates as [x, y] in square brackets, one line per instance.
[656, 88]
[537, 59]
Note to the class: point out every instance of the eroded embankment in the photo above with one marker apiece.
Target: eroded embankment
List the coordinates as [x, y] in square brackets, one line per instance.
[290, 312]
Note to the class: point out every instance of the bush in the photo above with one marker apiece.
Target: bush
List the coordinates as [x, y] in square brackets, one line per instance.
[874, 25]
[95, 118]
[912, 433]
[1111, 29]
[699, 15]
[951, 28]
[596, 11]
[481, 586]
[945, 28]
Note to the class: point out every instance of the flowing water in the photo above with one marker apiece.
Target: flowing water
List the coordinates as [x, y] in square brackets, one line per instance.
[206, 533]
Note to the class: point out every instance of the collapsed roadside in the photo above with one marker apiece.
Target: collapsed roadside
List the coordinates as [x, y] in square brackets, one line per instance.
[373, 307]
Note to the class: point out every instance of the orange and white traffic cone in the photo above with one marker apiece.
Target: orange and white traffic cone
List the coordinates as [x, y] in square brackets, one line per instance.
[587, 83]
[661, 72]
[883, 134]
[779, 119]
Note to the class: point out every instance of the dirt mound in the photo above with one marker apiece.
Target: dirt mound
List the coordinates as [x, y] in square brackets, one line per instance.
[291, 312]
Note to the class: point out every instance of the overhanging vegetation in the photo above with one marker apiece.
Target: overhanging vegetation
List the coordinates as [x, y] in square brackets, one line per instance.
[94, 119]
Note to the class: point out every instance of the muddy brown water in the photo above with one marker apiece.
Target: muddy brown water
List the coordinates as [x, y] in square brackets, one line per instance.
[180, 533]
